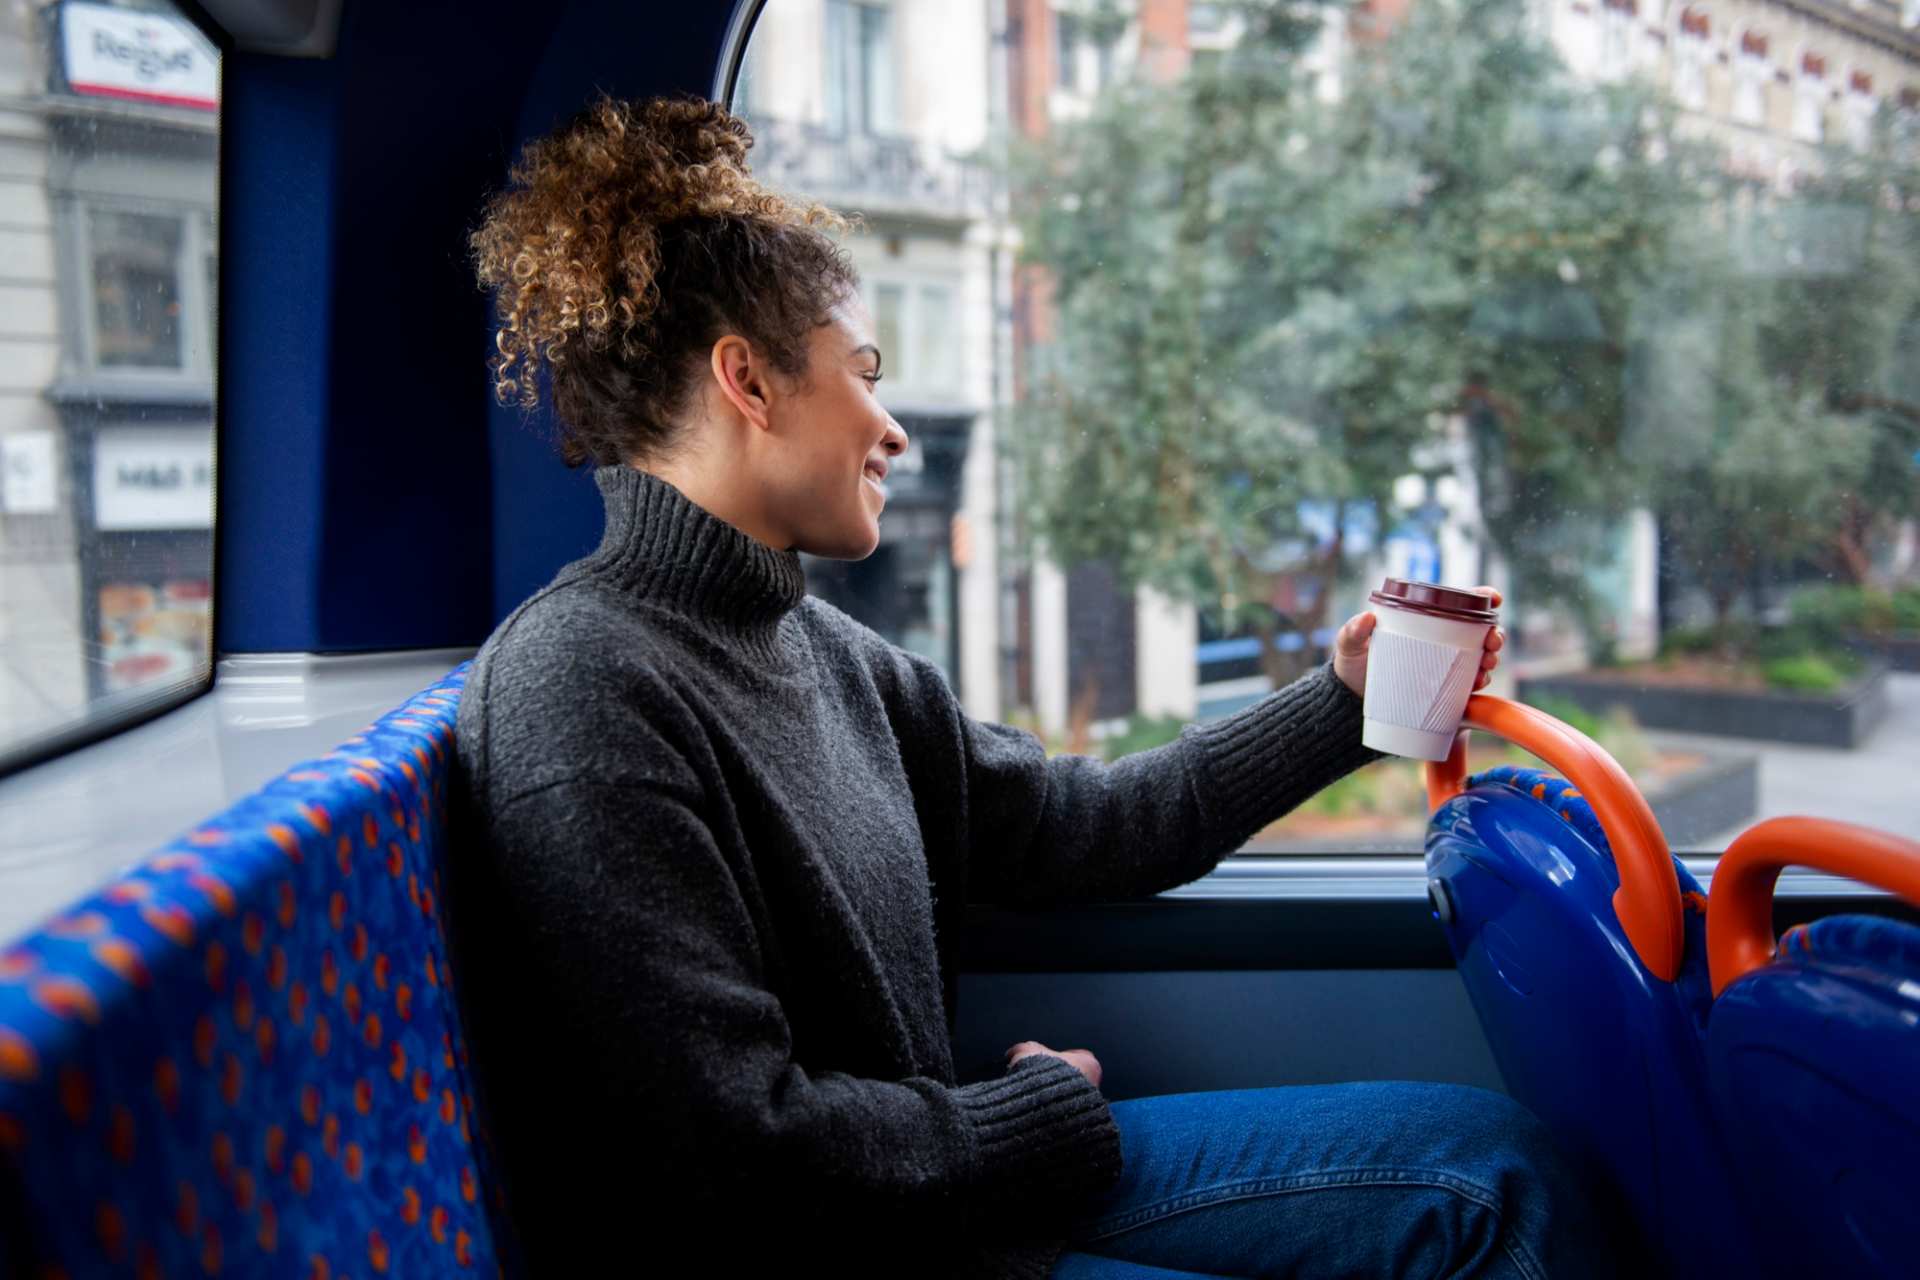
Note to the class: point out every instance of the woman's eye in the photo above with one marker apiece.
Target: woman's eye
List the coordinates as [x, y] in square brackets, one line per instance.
[872, 378]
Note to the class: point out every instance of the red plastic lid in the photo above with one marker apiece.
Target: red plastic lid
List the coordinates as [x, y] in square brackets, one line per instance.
[1426, 597]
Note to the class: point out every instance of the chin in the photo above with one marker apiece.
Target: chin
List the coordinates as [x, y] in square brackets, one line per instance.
[844, 544]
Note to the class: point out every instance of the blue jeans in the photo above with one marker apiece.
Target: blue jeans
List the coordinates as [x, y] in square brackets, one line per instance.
[1352, 1180]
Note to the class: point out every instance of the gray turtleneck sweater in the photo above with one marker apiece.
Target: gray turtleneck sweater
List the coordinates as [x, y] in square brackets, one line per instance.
[709, 895]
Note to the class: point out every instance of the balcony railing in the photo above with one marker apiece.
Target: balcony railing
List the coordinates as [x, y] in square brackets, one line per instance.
[861, 173]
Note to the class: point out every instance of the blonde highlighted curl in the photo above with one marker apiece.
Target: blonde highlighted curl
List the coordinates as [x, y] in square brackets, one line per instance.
[628, 242]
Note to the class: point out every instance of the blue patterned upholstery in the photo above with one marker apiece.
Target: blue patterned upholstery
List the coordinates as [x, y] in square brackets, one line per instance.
[243, 1057]
[1873, 943]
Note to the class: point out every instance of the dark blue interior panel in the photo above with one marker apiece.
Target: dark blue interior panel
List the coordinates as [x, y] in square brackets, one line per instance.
[1189, 1031]
[370, 497]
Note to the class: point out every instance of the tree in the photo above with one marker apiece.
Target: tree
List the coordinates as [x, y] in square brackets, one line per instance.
[1270, 292]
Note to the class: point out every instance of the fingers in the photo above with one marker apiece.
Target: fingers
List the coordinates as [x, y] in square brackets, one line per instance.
[1082, 1061]
[1025, 1049]
[1353, 636]
[1086, 1064]
[1490, 657]
[1492, 593]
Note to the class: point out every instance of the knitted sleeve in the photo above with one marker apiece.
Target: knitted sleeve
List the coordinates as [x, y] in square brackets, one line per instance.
[1076, 829]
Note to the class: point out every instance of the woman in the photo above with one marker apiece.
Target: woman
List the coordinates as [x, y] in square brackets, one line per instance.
[725, 834]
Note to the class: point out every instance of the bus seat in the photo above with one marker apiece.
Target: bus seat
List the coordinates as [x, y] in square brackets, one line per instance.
[243, 1057]
[1751, 1111]
[1813, 1060]
[1607, 1055]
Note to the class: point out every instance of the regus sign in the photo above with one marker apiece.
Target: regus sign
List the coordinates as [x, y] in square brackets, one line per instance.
[146, 57]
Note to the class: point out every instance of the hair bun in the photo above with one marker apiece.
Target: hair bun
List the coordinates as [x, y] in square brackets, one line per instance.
[574, 246]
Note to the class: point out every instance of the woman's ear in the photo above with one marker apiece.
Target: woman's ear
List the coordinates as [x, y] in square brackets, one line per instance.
[742, 376]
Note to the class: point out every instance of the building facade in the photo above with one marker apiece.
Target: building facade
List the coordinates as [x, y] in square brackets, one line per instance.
[886, 112]
[109, 118]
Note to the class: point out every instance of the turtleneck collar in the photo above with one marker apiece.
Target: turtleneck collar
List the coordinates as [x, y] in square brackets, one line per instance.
[662, 547]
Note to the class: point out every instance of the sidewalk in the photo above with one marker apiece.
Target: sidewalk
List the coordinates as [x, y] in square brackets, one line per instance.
[1875, 785]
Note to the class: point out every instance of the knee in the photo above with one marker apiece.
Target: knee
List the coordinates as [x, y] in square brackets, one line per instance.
[1507, 1154]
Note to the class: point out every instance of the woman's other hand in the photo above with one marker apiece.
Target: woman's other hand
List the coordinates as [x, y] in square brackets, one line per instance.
[1350, 649]
[1084, 1062]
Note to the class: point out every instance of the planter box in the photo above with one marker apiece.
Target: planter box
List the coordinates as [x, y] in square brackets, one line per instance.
[1839, 719]
[1723, 793]
[1901, 650]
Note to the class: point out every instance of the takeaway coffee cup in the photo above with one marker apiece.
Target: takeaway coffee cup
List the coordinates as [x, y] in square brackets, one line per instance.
[1421, 666]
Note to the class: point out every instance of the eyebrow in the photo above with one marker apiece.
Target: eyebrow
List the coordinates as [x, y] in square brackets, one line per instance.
[866, 347]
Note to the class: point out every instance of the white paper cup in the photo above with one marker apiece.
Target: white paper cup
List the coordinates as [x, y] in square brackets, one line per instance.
[1421, 664]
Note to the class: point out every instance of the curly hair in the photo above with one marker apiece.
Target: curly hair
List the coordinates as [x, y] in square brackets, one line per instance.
[627, 243]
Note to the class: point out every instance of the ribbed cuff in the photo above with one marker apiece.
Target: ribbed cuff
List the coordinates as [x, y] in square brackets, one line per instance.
[1259, 763]
[1044, 1138]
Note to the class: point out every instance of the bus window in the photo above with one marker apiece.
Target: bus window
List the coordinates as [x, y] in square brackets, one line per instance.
[109, 128]
[1208, 317]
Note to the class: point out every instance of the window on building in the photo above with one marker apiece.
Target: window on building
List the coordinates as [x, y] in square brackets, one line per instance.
[1499, 309]
[860, 68]
[1858, 107]
[1810, 96]
[106, 415]
[1619, 28]
[889, 329]
[937, 366]
[1691, 55]
[1752, 73]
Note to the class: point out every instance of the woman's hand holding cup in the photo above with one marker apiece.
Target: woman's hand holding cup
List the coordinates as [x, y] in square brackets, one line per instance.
[1354, 642]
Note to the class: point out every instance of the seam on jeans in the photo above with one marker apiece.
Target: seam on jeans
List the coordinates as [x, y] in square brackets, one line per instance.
[1257, 1188]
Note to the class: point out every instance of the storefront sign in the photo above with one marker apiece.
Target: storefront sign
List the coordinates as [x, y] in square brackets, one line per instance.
[146, 57]
[153, 478]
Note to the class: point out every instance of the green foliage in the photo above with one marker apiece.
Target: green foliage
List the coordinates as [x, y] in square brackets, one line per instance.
[1807, 671]
[1831, 615]
[1572, 714]
[1269, 301]
[1143, 734]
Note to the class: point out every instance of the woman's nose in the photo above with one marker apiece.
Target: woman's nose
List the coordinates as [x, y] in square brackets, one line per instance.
[895, 441]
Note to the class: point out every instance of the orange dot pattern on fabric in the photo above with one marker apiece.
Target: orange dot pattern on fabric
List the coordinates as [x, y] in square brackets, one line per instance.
[242, 1058]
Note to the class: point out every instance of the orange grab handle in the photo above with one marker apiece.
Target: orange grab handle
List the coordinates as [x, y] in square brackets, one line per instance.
[1740, 908]
[1648, 899]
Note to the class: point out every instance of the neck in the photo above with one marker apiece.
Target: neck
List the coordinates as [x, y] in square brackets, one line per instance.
[720, 481]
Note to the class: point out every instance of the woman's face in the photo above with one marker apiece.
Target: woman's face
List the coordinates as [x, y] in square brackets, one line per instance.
[834, 444]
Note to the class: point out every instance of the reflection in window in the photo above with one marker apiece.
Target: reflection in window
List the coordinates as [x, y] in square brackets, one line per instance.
[136, 289]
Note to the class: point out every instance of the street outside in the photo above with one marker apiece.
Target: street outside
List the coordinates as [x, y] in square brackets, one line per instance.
[1876, 784]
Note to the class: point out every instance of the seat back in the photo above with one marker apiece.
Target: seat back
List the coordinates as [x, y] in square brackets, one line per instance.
[243, 1057]
[1814, 1061]
[1605, 1053]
